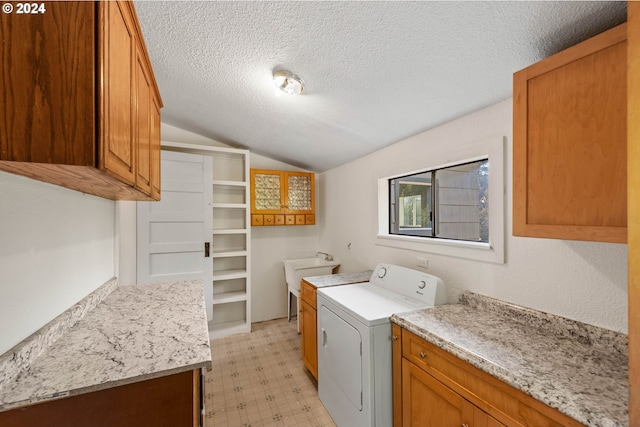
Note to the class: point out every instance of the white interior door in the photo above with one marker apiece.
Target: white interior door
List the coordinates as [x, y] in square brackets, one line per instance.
[172, 232]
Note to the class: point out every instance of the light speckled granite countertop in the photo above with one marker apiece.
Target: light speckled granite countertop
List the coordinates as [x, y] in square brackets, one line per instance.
[579, 369]
[339, 279]
[136, 333]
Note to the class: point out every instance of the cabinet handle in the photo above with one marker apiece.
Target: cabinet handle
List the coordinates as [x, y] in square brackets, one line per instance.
[394, 337]
[422, 356]
[206, 249]
[465, 425]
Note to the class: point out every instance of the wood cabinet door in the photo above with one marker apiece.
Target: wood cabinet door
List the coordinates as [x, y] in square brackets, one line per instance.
[426, 402]
[396, 366]
[633, 123]
[569, 143]
[267, 192]
[47, 90]
[117, 55]
[168, 401]
[309, 337]
[143, 87]
[299, 193]
[154, 146]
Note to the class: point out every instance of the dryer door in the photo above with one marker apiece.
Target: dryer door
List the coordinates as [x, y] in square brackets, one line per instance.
[340, 362]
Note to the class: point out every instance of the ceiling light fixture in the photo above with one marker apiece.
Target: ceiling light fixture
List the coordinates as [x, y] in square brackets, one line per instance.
[288, 82]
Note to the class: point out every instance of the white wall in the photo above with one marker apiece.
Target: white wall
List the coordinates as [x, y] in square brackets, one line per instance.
[584, 281]
[272, 245]
[56, 247]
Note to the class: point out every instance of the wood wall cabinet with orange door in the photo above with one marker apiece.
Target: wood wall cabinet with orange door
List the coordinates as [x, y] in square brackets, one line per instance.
[169, 401]
[80, 108]
[282, 197]
[633, 124]
[569, 143]
[434, 388]
[309, 324]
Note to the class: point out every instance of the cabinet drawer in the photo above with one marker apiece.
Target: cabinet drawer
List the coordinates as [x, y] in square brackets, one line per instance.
[268, 220]
[503, 402]
[257, 220]
[290, 219]
[278, 219]
[308, 293]
[310, 219]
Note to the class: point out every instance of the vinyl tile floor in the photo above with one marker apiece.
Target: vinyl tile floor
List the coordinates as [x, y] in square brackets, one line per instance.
[258, 380]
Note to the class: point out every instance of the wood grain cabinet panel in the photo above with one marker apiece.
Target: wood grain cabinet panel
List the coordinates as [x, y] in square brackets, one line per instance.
[309, 322]
[432, 387]
[170, 401]
[282, 197]
[79, 103]
[569, 143]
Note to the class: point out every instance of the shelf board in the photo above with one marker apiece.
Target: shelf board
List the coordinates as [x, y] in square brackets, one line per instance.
[230, 231]
[227, 253]
[219, 330]
[231, 205]
[228, 297]
[229, 183]
[229, 274]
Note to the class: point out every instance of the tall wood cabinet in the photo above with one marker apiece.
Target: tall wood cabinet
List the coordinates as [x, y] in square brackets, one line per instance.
[80, 106]
[569, 143]
[434, 388]
[282, 197]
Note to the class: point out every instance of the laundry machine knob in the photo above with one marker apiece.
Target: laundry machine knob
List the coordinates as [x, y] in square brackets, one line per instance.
[382, 271]
[422, 284]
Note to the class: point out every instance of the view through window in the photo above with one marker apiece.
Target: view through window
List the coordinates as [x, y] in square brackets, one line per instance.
[446, 203]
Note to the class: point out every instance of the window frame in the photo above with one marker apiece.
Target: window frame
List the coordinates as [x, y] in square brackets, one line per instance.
[493, 251]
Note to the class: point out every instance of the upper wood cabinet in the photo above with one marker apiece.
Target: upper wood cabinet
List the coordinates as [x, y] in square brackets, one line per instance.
[79, 103]
[569, 143]
[282, 197]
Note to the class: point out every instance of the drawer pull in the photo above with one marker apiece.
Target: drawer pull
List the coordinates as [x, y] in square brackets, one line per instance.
[394, 337]
[465, 425]
[422, 356]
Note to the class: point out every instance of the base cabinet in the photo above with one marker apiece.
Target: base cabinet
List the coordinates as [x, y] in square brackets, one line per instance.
[433, 388]
[170, 401]
[309, 322]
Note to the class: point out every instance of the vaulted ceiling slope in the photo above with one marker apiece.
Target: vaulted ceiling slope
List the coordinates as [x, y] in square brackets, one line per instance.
[375, 72]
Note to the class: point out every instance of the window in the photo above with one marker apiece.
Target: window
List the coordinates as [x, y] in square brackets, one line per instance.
[446, 203]
[423, 207]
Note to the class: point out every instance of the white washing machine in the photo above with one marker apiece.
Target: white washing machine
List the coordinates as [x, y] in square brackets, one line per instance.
[354, 341]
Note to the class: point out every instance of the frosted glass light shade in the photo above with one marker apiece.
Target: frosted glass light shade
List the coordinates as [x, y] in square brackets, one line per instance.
[288, 82]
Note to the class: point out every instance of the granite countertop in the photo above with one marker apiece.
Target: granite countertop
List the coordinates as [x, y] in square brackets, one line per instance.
[338, 279]
[579, 369]
[136, 333]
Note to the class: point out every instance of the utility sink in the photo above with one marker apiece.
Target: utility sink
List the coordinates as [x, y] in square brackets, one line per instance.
[296, 269]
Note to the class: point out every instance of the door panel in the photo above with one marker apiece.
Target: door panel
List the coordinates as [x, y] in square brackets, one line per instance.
[172, 232]
[426, 402]
[340, 345]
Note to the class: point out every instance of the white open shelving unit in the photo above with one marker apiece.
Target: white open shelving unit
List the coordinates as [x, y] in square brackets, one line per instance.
[230, 287]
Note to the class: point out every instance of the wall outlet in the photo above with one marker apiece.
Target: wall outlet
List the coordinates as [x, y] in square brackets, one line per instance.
[422, 262]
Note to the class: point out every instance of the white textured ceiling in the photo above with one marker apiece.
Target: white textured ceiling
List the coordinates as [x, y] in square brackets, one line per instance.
[375, 72]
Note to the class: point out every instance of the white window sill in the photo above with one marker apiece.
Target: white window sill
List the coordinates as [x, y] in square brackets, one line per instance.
[478, 251]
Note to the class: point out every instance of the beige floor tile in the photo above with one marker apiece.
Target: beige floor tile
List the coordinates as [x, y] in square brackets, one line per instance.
[258, 380]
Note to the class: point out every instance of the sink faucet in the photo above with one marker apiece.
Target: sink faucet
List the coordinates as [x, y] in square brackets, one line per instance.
[327, 257]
